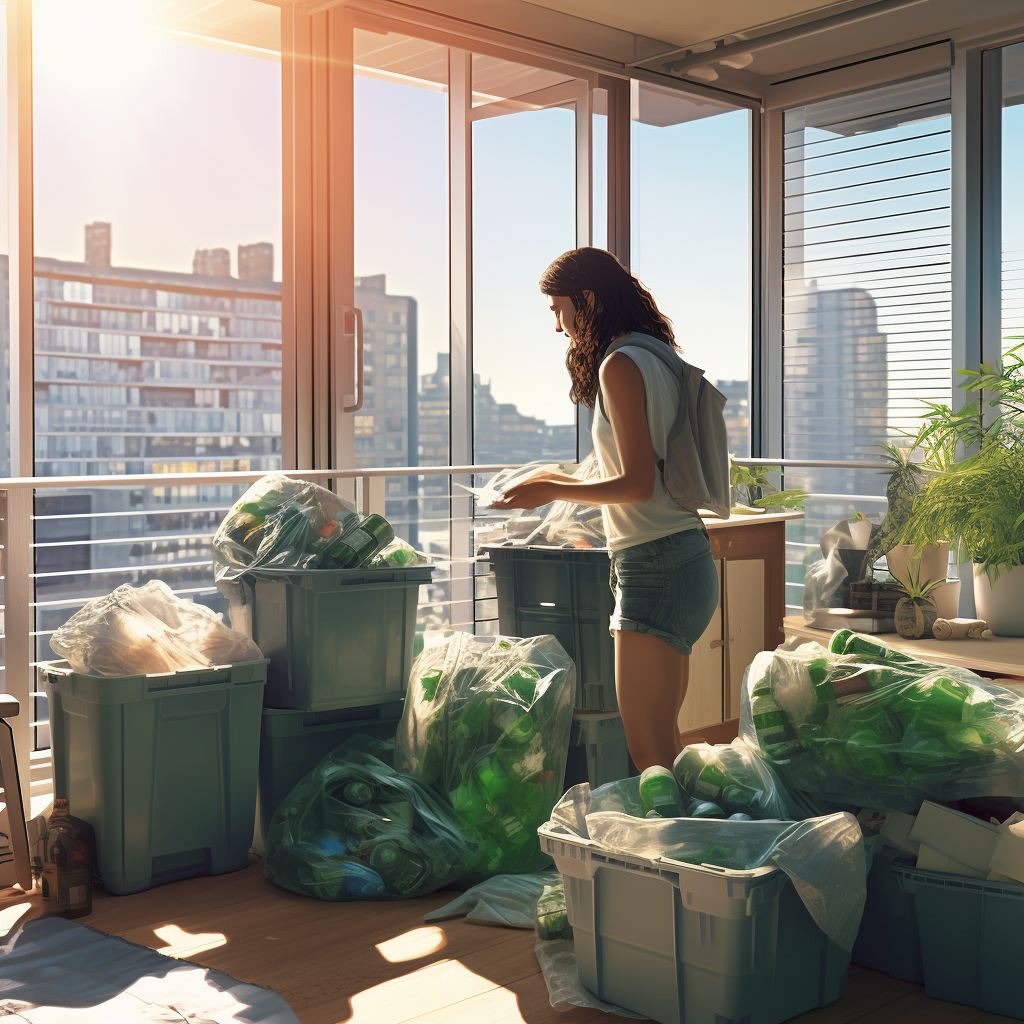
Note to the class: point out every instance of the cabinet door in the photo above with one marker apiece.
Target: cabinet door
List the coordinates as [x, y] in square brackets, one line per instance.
[744, 624]
[703, 704]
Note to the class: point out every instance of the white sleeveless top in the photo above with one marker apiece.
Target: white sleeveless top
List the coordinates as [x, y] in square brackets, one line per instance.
[661, 516]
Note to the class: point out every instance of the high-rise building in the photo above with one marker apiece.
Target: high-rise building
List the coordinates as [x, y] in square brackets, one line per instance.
[97, 244]
[256, 262]
[212, 262]
[386, 426]
[836, 390]
[737, 415]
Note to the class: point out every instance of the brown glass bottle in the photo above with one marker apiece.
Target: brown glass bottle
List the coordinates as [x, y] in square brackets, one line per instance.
[67, 864]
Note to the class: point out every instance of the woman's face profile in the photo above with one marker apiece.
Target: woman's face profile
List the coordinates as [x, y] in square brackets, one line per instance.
[565, 314]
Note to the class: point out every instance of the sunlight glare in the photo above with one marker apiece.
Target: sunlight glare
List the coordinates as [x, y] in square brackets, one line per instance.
[412, 945]
[181, 943]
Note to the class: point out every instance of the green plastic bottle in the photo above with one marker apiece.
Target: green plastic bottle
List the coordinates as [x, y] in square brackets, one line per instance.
[775, 733]
[659, 794]
[358, 793]
[706, 809]
[358, 544]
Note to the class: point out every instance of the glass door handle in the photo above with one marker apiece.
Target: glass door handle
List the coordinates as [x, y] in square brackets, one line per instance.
[353, 319]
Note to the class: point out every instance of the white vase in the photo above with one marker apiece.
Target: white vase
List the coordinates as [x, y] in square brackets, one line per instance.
[1001, 604]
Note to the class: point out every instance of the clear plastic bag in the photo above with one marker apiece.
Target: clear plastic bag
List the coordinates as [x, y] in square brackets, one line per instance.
[559, 524]
[486, 726]
[557, 959]
[280, 523]
[509, 900]
[734, 777]
[568, 524]
[355, 829]
[551, 916]
[862, 725]
[142, 630]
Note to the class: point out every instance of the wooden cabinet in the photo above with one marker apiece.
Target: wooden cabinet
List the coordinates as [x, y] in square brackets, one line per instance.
[751, 559]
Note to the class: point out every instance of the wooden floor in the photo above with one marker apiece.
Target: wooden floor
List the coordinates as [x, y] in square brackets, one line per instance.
[378, 963]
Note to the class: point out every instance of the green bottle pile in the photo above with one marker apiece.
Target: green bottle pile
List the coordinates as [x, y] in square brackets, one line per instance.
[356, 829]
[281, 523]
[865, 725]
[488, 731]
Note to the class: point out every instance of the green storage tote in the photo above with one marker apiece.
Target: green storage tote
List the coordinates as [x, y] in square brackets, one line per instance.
[564, 592]
[888, 940]
[293, 743]
[695, 944]
[164, 768]
[597, 750]
[335, 637]
[970, 937]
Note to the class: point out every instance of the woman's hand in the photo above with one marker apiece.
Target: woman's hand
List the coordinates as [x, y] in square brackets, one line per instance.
[535, 492]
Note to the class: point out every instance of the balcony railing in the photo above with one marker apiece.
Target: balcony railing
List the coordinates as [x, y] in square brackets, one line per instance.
[54, 530]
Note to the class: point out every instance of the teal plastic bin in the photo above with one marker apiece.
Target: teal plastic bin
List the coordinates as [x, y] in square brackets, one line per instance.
[164, 768]
[293, 743]
[888, 940]
[695, 944]
[970, 938]
[564, 592]
[335, 637]
[597, 750]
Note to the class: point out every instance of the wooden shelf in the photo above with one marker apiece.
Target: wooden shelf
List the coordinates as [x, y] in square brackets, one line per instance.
[996, 655]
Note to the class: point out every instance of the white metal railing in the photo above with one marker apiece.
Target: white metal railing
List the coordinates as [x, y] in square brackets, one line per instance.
[468, 592]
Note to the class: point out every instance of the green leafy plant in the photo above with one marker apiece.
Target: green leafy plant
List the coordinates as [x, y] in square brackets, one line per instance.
[974, 457]
[905, 482]
[752, 483]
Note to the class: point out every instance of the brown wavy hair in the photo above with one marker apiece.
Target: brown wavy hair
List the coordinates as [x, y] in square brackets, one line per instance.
[621, 305]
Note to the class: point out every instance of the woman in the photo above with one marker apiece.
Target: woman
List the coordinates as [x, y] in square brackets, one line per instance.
[663, 573]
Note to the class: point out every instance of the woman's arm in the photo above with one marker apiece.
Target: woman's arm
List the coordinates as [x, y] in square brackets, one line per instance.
[625, 402]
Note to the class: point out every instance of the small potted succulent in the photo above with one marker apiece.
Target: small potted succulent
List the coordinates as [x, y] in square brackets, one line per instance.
[915, 613]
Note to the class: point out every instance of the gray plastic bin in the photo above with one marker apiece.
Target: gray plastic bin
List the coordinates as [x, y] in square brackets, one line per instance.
[701, 945]
[335, 637]
[597, 750]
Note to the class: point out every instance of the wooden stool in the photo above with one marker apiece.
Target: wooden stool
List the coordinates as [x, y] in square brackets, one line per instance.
[15, 865]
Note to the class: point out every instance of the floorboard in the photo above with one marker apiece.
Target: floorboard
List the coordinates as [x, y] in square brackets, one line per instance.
[380, 963]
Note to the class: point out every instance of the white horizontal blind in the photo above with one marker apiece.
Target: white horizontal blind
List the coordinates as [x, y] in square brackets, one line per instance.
[866, 301]
[1013, 195]
[866, 292]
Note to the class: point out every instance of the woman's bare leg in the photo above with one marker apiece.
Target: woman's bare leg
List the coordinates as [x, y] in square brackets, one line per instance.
[650, 683]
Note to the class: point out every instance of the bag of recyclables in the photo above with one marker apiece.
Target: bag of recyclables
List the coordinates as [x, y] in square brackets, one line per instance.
[280, 523]
[147, 630]
[486, 726]
[863, 725]
[559, 524]
[355, 829]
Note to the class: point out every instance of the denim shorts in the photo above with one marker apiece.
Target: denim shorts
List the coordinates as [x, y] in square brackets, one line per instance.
[666, 588]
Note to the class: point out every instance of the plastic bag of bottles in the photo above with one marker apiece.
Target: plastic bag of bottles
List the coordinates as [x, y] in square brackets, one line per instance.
[486, 726]
[355, 829]
[863, 725]
[551, 917]
[732, 777]
[280, 523]
[140, 630]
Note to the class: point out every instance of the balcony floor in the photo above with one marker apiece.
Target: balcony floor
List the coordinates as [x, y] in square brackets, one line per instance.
[324, 958]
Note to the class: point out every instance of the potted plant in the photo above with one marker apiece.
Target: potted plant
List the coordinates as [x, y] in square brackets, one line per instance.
[916, 613]
[974, 493]
[753, 493]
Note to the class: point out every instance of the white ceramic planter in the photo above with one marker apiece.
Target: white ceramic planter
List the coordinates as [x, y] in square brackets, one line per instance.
[1001, 604]
[947, 599]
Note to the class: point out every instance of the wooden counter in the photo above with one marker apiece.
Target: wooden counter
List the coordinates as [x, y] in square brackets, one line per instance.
[993, 656]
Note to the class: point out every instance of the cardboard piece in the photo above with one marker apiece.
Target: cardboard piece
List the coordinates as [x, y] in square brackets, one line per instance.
[959, 837]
